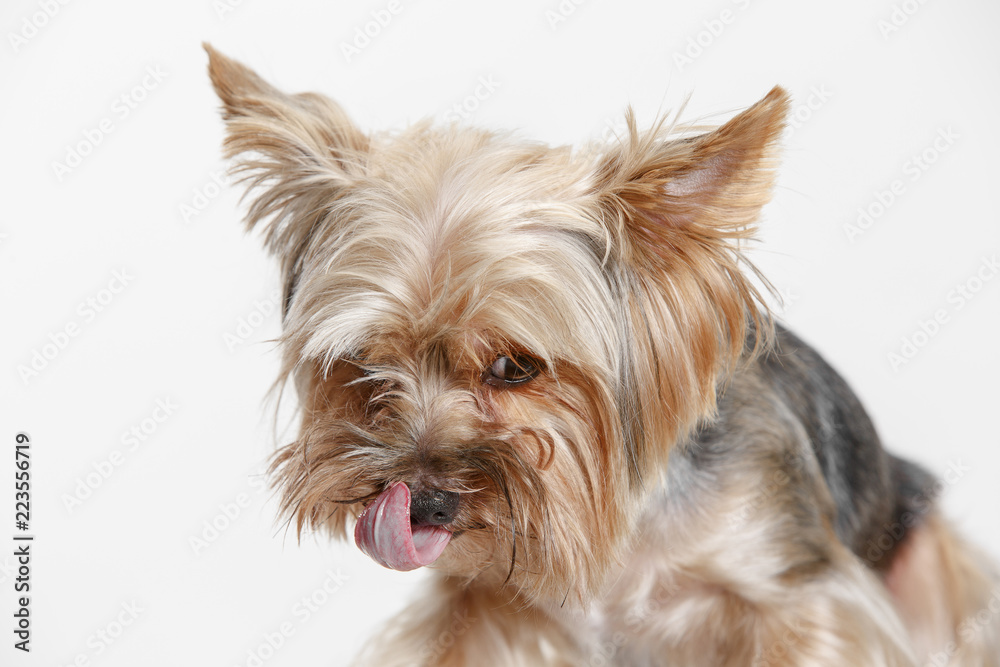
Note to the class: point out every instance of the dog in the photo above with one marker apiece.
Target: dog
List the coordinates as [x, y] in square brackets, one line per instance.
[548, 374]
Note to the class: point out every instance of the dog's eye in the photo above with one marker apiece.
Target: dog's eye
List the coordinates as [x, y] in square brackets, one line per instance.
[506, 371]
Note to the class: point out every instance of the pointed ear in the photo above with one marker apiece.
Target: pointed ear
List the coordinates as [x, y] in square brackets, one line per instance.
[677, 210]
[714, 183]
[294, 150]
[296, 154]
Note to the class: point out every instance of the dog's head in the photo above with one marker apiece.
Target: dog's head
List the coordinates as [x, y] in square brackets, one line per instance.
[495, 343]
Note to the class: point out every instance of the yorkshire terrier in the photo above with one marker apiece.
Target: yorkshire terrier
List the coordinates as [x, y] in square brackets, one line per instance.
[546, 374]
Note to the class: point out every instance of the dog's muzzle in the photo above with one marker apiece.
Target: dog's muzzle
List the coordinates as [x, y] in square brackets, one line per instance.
[433, 507]
[402, 535]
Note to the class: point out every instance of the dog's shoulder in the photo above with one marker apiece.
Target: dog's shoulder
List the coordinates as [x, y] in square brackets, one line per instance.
[788, 392]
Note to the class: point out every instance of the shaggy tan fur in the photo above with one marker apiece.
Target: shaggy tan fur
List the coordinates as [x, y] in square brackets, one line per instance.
[599, 522]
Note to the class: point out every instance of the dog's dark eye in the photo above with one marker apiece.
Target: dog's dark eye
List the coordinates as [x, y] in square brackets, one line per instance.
[506, 371]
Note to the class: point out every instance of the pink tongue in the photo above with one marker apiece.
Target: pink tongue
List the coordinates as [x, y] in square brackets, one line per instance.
[384, 532]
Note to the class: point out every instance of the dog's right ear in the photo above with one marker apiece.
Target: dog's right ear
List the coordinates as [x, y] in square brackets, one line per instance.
[296, 153]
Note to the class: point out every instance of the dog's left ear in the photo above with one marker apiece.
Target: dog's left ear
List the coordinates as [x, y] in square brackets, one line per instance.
[714, 183]
[296, 153]
[677, 209]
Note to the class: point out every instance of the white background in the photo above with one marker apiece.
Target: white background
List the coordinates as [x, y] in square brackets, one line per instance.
[879, 97]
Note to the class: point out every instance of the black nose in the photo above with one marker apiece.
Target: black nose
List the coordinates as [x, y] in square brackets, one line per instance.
[432, 507]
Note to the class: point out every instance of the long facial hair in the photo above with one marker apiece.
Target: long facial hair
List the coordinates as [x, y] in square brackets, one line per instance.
[413, 261]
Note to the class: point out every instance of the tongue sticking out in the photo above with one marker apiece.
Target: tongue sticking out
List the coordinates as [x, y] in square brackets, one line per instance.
[384, 532]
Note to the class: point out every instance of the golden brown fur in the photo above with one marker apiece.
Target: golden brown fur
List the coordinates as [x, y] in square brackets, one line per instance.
[656, 491]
